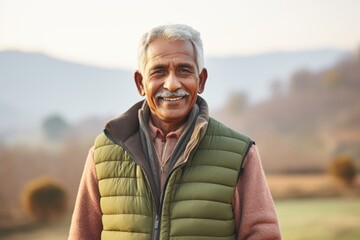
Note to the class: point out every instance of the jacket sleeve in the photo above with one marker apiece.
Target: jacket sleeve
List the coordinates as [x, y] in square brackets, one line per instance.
[254, 210]
[86, 221]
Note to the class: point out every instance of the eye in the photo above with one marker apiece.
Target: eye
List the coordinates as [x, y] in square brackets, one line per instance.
[184, 71]
[158, 72]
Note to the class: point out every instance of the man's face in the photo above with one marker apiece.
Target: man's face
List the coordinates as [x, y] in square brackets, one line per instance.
[170, 67]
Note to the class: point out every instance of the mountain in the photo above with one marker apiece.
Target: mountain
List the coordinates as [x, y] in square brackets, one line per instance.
[254, 74]
[308, 126]
[34, 85]
[38, 85]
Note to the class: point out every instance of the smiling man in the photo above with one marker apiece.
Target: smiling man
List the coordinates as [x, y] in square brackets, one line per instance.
[165, 169]
[170, 80]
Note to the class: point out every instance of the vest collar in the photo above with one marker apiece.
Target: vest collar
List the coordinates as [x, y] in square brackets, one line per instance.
[126, 125]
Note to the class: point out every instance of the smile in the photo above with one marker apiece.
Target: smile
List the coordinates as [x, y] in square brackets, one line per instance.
[172, 99]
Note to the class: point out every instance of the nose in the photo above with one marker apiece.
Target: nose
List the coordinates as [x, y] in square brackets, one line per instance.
[172, 83]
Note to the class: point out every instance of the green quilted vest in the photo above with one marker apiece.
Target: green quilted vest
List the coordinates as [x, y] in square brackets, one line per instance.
[196, 202]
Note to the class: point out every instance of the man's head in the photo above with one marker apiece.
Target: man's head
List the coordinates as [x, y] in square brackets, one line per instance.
[171, 73]
[171, 32]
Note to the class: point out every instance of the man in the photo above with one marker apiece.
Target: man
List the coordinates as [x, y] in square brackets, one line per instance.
[165, 169]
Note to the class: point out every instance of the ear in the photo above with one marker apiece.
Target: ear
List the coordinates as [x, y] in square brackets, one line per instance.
[202, 80]
[139, 84]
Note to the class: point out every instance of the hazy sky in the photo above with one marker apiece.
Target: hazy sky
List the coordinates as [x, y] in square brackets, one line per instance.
[106, 32]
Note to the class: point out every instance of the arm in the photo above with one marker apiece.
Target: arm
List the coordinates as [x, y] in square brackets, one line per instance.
[86, 220]
[254, 210]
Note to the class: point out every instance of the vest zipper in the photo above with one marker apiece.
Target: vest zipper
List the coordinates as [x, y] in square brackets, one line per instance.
[157, 218]
[157, 228]
[164, 188]
[155, 208]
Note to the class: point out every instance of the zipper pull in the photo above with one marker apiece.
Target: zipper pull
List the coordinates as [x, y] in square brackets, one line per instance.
[157, 222]
[156, 234]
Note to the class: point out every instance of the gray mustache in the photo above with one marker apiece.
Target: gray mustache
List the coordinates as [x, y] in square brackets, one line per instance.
[167, 93]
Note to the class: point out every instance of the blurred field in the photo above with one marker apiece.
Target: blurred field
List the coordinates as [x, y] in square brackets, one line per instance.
[50, 231]
[310, 186]
[319, 219]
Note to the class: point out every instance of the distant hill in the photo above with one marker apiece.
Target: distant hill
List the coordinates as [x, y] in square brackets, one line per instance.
[315, 121]
[34, 85]
[254, 74]
[39, 85]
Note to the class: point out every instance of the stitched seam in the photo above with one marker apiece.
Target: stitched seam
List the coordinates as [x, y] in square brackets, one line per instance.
[203, 200]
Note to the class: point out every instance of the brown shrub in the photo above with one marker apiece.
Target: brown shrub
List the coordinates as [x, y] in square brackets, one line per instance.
[44, 199]
[344, 169]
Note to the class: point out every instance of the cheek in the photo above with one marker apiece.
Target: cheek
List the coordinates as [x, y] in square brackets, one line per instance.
[150, 88]
[193, 87]
[150, 91]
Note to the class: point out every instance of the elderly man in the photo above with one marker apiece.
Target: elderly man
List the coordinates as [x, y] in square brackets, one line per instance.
[165, 169]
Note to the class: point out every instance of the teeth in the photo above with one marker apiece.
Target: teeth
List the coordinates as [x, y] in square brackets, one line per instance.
[172, 99]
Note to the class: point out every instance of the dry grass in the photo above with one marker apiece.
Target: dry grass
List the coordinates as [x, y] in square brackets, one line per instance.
[317, 185]
[320, 219]
[56, 230]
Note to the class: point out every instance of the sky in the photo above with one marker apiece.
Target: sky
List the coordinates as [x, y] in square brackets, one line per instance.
[106, 33]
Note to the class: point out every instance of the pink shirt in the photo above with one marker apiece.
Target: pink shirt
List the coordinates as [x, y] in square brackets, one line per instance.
[254, 211]
[164, 146]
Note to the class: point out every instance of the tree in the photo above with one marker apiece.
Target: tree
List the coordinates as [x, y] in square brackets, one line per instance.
[236, 102]
[332, 78]
[55, 127]
[277, 88]
[344, 169]
[302, 80]
[44, 199]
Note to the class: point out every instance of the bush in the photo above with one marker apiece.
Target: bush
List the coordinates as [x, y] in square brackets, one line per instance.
[344, 169]
[44, 199]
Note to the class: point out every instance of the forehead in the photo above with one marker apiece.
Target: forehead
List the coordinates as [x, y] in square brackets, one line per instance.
[161, 50]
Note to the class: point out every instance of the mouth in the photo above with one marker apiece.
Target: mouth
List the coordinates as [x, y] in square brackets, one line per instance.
[175, 96]
[173, 99]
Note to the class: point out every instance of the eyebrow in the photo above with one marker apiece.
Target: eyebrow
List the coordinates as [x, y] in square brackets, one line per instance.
[157, 66]
[186, 65]
[164, 66]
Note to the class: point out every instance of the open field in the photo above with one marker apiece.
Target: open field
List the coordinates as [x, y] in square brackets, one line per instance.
[319, 219]
[50, 231]
[310, 186]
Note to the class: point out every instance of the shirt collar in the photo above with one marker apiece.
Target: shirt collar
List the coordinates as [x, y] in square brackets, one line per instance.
[156, 132]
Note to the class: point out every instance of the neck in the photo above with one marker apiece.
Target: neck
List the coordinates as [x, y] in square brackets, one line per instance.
[167, 126]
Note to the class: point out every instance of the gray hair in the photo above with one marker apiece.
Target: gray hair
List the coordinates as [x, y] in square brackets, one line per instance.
[171, 32]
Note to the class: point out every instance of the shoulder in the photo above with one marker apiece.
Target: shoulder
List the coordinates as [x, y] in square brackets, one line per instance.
[101, 140]
[252, 158]
[229, 138]
[217, 128]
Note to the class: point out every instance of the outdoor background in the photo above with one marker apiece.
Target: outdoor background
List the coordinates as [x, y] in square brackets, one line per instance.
[286, 73]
